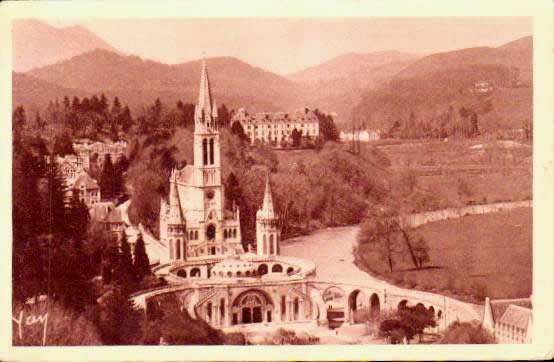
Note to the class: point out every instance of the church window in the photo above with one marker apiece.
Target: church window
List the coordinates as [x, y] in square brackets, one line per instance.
[234, 233]
[265, 245]
[211, 151]
[205, 151]
[210, 232]
[271, 245]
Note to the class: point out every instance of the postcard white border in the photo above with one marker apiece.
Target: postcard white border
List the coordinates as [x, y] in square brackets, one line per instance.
[543, 183]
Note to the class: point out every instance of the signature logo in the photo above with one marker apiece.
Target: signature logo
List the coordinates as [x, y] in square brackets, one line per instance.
[29, 321]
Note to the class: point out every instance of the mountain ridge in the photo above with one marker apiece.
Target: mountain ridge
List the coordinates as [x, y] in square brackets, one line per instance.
[36, 44]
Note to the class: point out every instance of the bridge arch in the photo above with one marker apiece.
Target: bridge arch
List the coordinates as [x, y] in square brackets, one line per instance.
[263, 269]
[336, 305]
[374, 306]
[402, 304]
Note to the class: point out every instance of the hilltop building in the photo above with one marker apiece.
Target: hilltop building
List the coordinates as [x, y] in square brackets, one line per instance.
[86, 149]
[276, 128]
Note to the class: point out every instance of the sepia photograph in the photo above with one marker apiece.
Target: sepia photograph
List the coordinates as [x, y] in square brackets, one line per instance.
[272, 181]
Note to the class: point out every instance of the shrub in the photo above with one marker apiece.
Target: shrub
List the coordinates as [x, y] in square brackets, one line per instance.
[176, 327]
[285, 336]
[466, 333]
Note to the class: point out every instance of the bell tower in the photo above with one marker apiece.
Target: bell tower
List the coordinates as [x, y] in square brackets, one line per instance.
[206, 135]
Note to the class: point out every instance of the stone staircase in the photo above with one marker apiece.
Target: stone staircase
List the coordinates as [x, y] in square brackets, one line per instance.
[203, 300]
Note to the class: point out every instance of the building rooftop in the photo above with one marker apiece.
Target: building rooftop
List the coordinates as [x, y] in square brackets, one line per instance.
[499, 307]
[85, 180]
[184, 175]
[516, 316]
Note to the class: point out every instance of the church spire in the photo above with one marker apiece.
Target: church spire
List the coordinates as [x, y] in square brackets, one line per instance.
[175, 212]
[205, 93]
[267, 207]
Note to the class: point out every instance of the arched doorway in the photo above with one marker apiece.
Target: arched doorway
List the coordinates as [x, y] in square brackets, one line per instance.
[195, 273]
[210, 232]
[182, 273]
[290, 270]
[334, 299]
[262, 269]
[375, 306]
[252, 306]
[277, 268]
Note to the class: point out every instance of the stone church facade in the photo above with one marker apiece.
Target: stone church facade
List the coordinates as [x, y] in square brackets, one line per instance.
[194, 220]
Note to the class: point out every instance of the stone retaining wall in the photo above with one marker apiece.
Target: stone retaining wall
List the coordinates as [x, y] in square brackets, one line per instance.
[415, 220]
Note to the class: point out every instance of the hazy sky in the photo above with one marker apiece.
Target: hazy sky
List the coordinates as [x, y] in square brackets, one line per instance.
[285, 45]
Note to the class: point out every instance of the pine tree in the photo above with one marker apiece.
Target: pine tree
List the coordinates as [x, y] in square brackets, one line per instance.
[142, 263]
[125, 119]
[116, 107]
[103, 105]
[224, 116]
[56, 202]
[125, 272]
[107, 178]
[78, 219]
[75, 104]
[66, 103]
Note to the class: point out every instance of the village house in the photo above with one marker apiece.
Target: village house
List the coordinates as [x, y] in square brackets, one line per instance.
[509, 320]
[108, 215]
[86, 149]
[70, 167]
[276, 128]
[86, 189]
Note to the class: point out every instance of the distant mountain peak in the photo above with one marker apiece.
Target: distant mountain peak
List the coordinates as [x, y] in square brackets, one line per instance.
[36, 43]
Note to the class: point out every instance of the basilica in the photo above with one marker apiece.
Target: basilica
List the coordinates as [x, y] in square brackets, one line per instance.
[194, 220]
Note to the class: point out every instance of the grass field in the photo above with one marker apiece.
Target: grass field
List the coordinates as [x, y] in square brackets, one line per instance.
[471, 257]
[462, 172]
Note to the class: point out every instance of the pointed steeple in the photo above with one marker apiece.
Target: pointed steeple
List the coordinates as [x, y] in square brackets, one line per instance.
[205, 93]
[267, 207]
[175, 212]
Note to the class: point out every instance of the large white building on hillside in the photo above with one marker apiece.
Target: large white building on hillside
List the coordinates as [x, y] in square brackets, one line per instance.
[276, 128]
